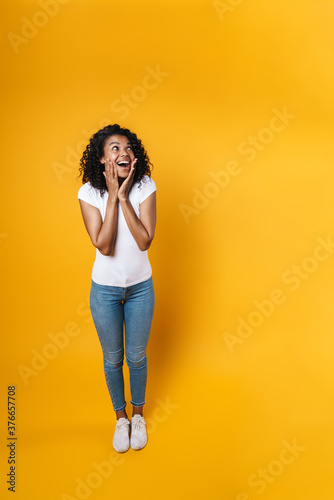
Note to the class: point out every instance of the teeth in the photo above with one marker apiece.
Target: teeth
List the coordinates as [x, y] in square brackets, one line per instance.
[123, 163]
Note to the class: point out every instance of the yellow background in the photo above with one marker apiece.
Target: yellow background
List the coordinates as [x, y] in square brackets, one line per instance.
[216, 416]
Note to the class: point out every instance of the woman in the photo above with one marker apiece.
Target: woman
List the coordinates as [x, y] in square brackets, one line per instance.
[118, 205]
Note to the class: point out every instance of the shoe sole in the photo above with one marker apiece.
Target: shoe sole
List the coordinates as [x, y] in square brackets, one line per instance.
[121, 451]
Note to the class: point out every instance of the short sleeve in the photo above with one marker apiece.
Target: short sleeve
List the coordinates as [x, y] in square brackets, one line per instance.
[147, 187]
[87, 193]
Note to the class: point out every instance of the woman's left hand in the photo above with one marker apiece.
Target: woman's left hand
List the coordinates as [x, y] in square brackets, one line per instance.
[127, 183]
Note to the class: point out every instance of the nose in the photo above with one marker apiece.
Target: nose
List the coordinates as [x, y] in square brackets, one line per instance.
[125, 153]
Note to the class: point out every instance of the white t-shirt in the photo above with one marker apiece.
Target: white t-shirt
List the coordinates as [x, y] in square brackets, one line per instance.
[129, 265]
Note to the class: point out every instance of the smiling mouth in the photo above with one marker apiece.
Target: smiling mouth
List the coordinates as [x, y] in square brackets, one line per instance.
[124, 164]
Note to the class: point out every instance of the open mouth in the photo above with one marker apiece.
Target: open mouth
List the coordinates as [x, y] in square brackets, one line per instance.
[124, 164]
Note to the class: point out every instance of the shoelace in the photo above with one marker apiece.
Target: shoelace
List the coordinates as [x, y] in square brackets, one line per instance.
[122, 427]
[139, 424]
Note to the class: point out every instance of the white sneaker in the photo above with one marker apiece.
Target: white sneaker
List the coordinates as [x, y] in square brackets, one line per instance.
[121, 441]
[138, 432]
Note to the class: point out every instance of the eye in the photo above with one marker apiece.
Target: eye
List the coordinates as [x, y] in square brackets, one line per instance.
[130, 147]
[114, 147]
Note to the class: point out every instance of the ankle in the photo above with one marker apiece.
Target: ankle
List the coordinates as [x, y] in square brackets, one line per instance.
[137, 410]
[121, 414]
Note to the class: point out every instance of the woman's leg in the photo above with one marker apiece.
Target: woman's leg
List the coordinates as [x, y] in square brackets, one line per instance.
[106, 304]
[138, 314]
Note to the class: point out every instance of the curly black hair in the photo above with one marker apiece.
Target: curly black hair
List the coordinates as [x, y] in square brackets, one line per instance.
[92, 170]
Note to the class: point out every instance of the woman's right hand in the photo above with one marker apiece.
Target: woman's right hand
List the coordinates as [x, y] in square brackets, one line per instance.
[111, 175]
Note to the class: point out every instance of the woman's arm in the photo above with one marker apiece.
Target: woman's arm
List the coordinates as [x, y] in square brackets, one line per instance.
[103, 234]
[142, 229]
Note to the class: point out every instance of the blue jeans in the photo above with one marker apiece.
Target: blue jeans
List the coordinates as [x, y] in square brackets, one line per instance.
[133, 306]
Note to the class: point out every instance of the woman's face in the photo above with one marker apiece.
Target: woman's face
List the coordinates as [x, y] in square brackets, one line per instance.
[118, 148]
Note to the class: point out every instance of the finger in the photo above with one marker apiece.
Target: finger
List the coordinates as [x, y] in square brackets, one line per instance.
[115, 168]
[133, 165]
[132, 171]
[129, 178]
[111, 168]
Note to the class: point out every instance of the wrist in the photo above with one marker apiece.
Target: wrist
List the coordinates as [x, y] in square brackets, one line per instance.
[122, 199]
[112, 199]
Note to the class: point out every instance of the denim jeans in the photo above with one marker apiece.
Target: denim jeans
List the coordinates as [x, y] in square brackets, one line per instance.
[133, 306]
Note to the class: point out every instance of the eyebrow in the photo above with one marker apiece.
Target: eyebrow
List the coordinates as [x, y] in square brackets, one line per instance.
[115, 142]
